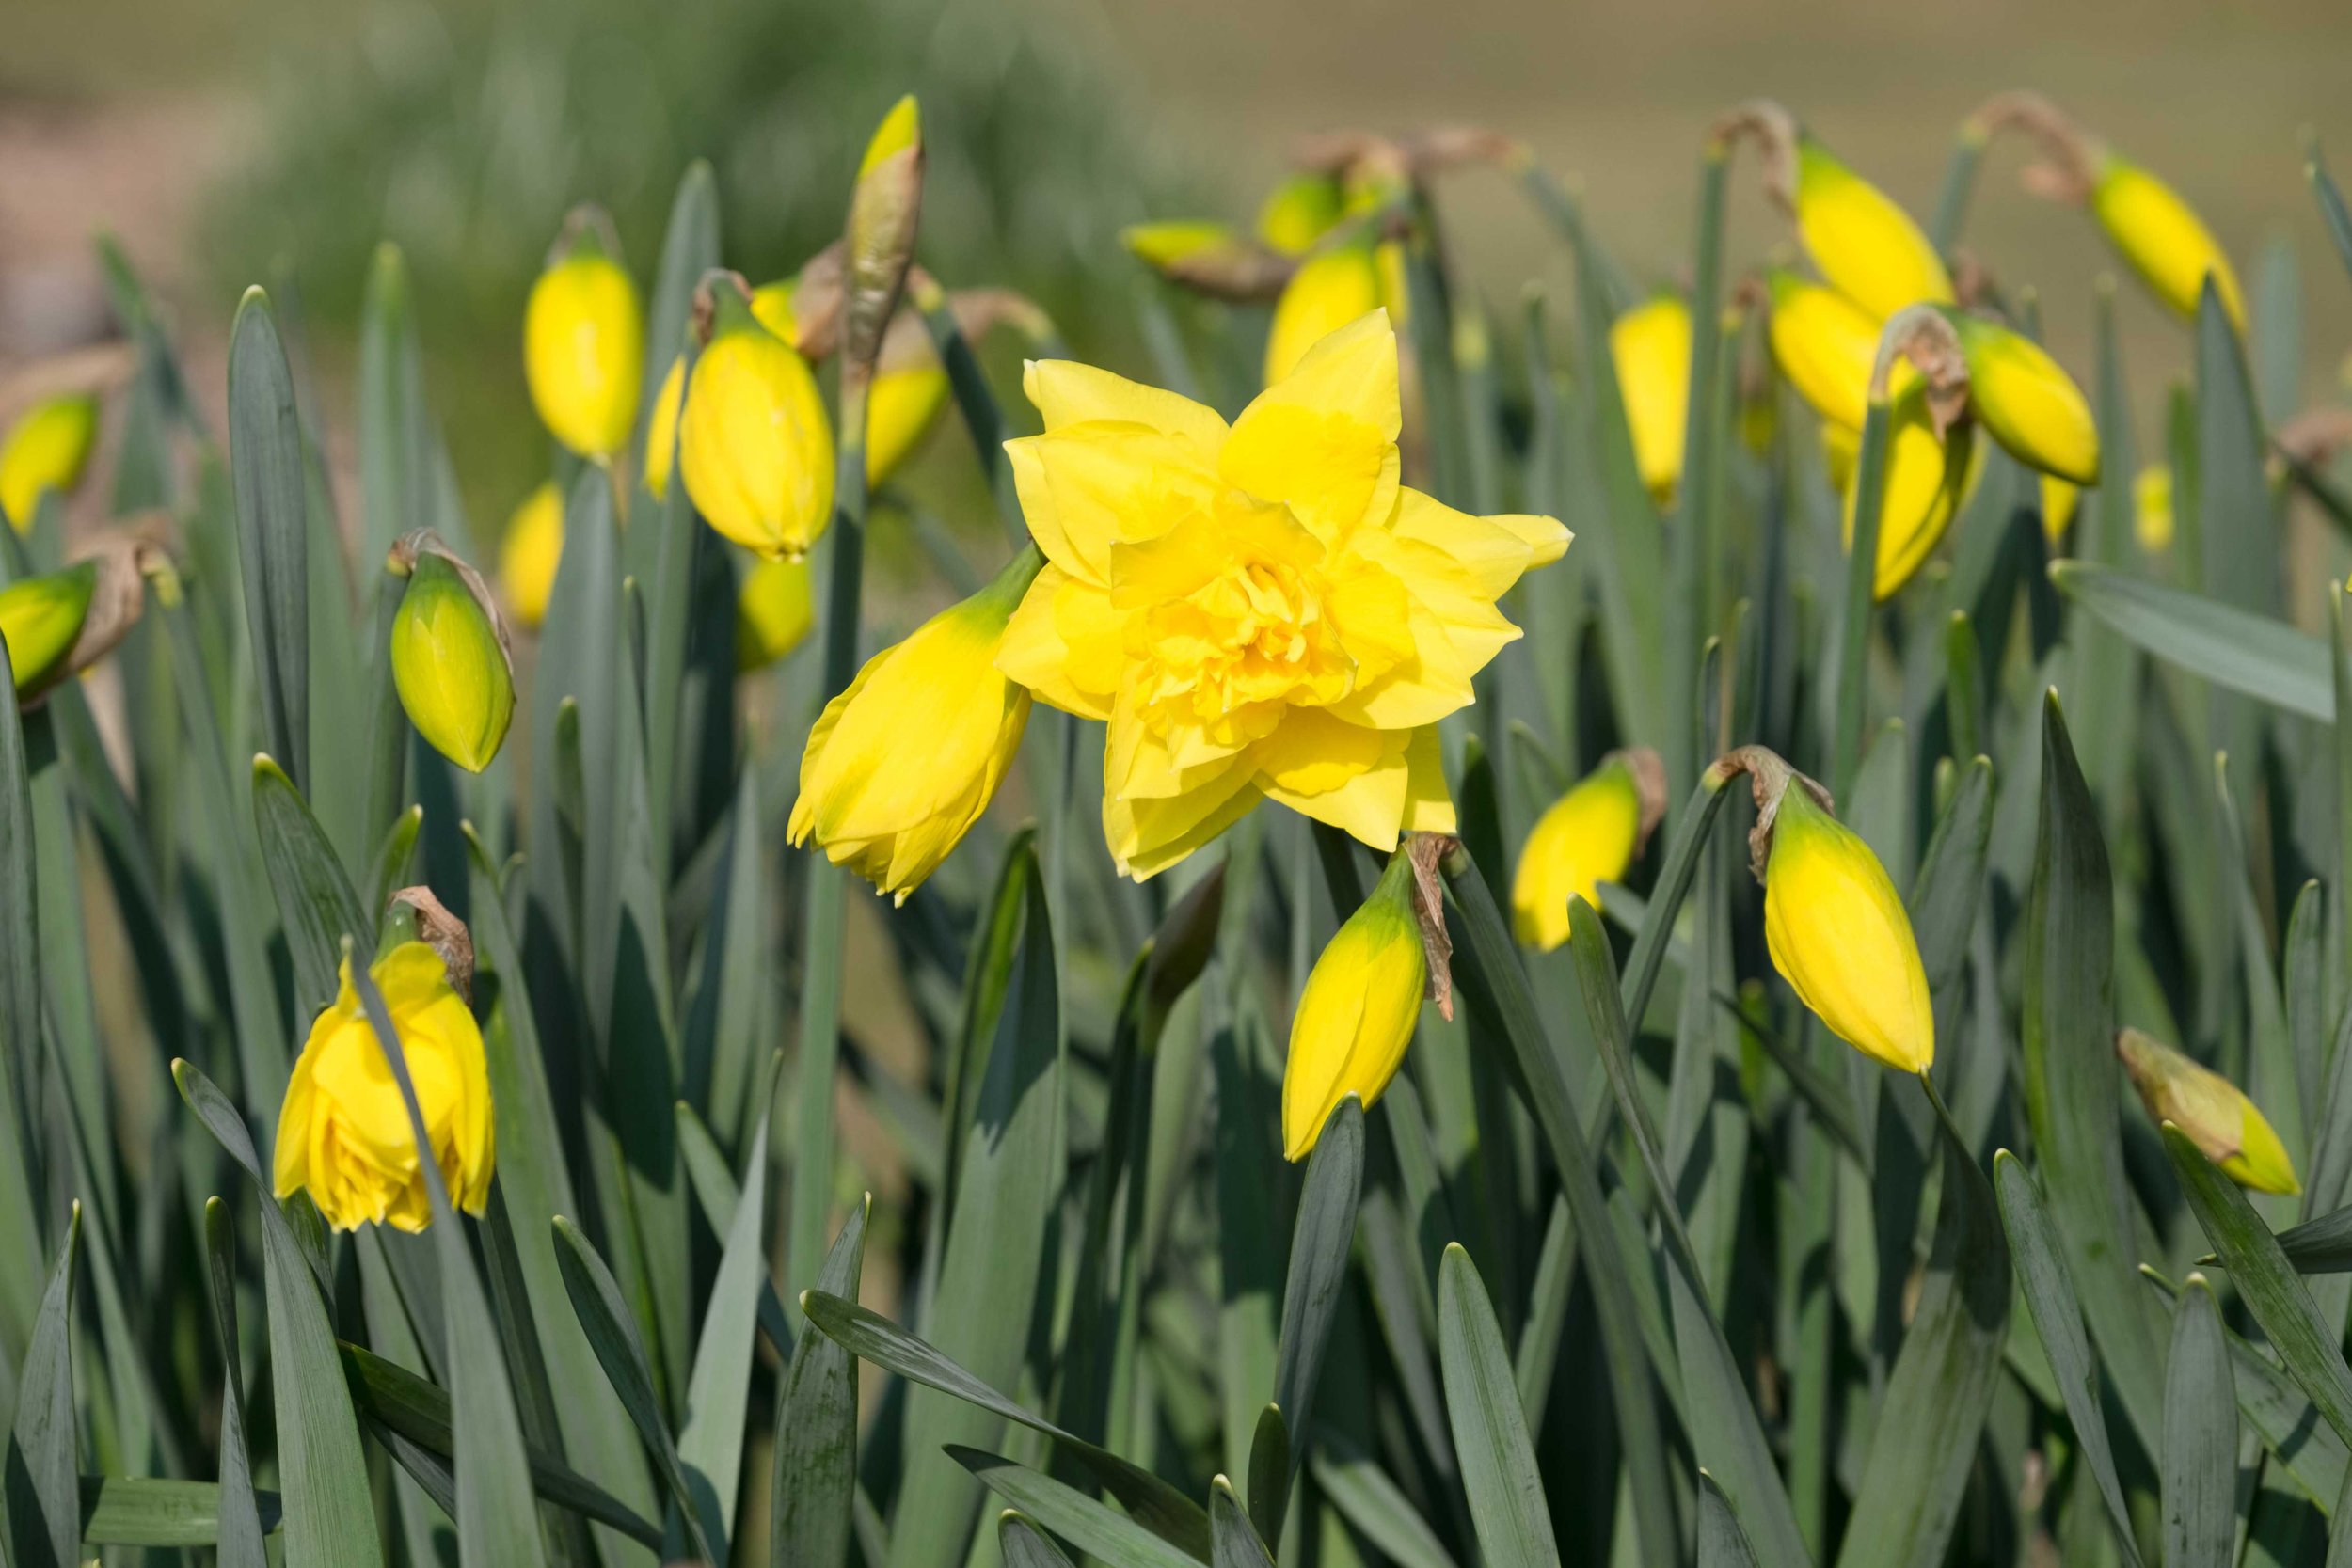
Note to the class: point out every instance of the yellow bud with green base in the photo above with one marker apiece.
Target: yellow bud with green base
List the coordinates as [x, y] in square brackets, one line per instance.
[2213, 1112]
[1356, 1012]
[1651, 346]
[1928, 479]
[1586, 837]
[1867, 247]
[2025, 401]
[450, 661]
[2163, 239]
[41, 619]
[754, 442]
[1824, 343]
[584, 342]
[1300, 210]
[528, 553]
[45, 450]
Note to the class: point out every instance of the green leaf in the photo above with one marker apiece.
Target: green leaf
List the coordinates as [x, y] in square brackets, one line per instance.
[1692, 826]
[238, 1509]
[1025, 1545]
[1088, 1525]
[43, 1490]
[2050, 1298]
[718, 1397]
[1506, 1493]
[1721, 1543]
[2331, 205]
[1233, 1540]
[2199, 1437]
[1364, 1495]
[2265, 1281]
[2263, 658]
[2321, 1246]
[2235, 516]
[267, 464]
[813, 1489]
[1951, 884]
[315, 896]
[1321, 1244]
[330, 1514]
[1270, 1472]
[138, 1510]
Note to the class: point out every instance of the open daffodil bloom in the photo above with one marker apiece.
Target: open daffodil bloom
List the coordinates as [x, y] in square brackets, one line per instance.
[1258, 610]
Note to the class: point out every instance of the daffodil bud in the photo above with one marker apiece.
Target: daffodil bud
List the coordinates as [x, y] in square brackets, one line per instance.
[584, 340]
[61, 623]
[892, 810]
[774, 611]
[2059, 502]
[2025, 401]
[343, 1134]
[1329, 291]
[1210, 259]
[1825, 345]
[47, 449]
[2151, 508]
[662, 430]
[1651, 345]
[1300, 210]
[530, 551]
[2163, 239]
[1356, 1012]
[1835, 926]
[754, 442]
[1929, 478]
[1866, 247]
[879, 246]
[2213, 1112]
[1587, 837]
[451, 664]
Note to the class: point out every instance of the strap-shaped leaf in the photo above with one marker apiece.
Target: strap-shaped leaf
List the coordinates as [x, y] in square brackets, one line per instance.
[1095, 1528]
[1320, 1244]
[239, 1511]
[814, 1481]
[718, 1397]
[1364, 1495]
[2199, 1437]
[1721, 1543]
[1233, 1540]
[267, 464]
[2267, 659]
[314, 894]
[44, 1489]
[1482, 1398]
[1025, 1545]
[142, 1510]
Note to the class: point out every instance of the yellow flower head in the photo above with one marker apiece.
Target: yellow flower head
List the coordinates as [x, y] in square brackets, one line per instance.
[1357, 1011]
[2163, 239]
[1836, 928]
[584, 348]
[1651, 345]
[1929, 478]
[1257, 611]
[773, 612]
[662, 430]
[1300, 210]
[1826, 345]
[2151, 508]
[2026, 402]
[450, 662]
[902, 763]
[41, 619]
[754, 441]
[1587, 837]
[2213, 1112]
[47, 449]
[530, 552]
[344, 1134]
[1866, 247]
[1329, 291]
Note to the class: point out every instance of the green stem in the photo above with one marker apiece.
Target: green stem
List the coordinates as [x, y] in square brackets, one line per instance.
[1959, 183]
[1854, 632]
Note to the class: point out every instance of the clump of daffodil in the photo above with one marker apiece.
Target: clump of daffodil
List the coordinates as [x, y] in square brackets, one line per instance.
[2157, 233]
[2213, 1112]
[902, 763]
[754, 442]
[530, 551]
[1833, 922]
[1357, 1011]
[2151, 508]
[58, 623]
[45, 450]
[1651, 345]
[1930, 474]
[1260, 609]
[451, 663]
[2025, 401]
[1586, 837]
[773, 612]
[584, 340]
[1866, 245]
[344, 1136]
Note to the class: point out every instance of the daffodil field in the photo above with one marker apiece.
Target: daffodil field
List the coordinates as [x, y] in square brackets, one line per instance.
[1699, 923]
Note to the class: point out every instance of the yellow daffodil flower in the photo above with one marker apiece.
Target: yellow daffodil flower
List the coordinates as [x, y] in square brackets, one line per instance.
[584, 348]
[530, 552]
[344, 1134]
[754, 441]
[1586, 837]
[1328, 291]
[47, 449]
[41, 619]
[1826, 345]
[1866, 247]
[1651, 345]
[1928, 479]
[902, 763]
[450, 661]
[2213, 1112]
[773, 612]
[2163, 239]
[1260, 609]
[2026, 402]
[1356, 1013]
[2059, 502]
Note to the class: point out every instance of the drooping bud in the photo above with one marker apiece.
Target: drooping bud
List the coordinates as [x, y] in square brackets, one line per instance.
[61, 623]
[1928, 479]
[2213, 1112]
[530, 551]
[773, 612]
[45, 450]
[1356, 1012]
[754, 442]
[584, 340]
[879, 245]
[451, 662]
[1826, 345]
[2026, 402]
[1587, 837]
[1835, 926]
[1211, 259]
[1651, 345]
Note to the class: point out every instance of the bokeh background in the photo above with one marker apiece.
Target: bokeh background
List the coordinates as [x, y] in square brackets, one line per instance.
[229, 141]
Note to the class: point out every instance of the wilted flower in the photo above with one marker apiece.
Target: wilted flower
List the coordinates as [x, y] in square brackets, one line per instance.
[584, 340]
[344, 1134]
[1258, 610]
[754, 440]
[902, 763]
[1356, 1013]
[449, 660]
[1927, 480]
[47, 449]
[773, 612]
[530, 552]
[1651, 345]
[2026, 402]
[1587, 837]
[2151, 508]
[2213, 1112]
[1835, 926]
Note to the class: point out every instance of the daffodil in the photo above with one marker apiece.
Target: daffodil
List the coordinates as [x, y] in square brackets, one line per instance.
[530, 551]
[662, 430]
[1866, 247]
[1825, 345]
[1834, 924]
[1651, 345]
[1330, 289]
[902, 763]
[2151, 508]
[1357, 1011]
[1299, 211]
[910, 383]
[2059, 502]
[1586, 837]
[2213, 1112]
[754, 441]
[585, 343]
[344, 1136]
[1258, 610]
[773, 612]
[451, 665]
[2163, 239]
[46, 450]
[1928, 480]
[2026, 402]
[41, 618]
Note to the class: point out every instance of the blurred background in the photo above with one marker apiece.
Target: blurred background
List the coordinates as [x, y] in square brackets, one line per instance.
[232, 141]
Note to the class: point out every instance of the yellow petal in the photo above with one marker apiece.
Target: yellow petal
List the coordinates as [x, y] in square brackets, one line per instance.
[1067, 393]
